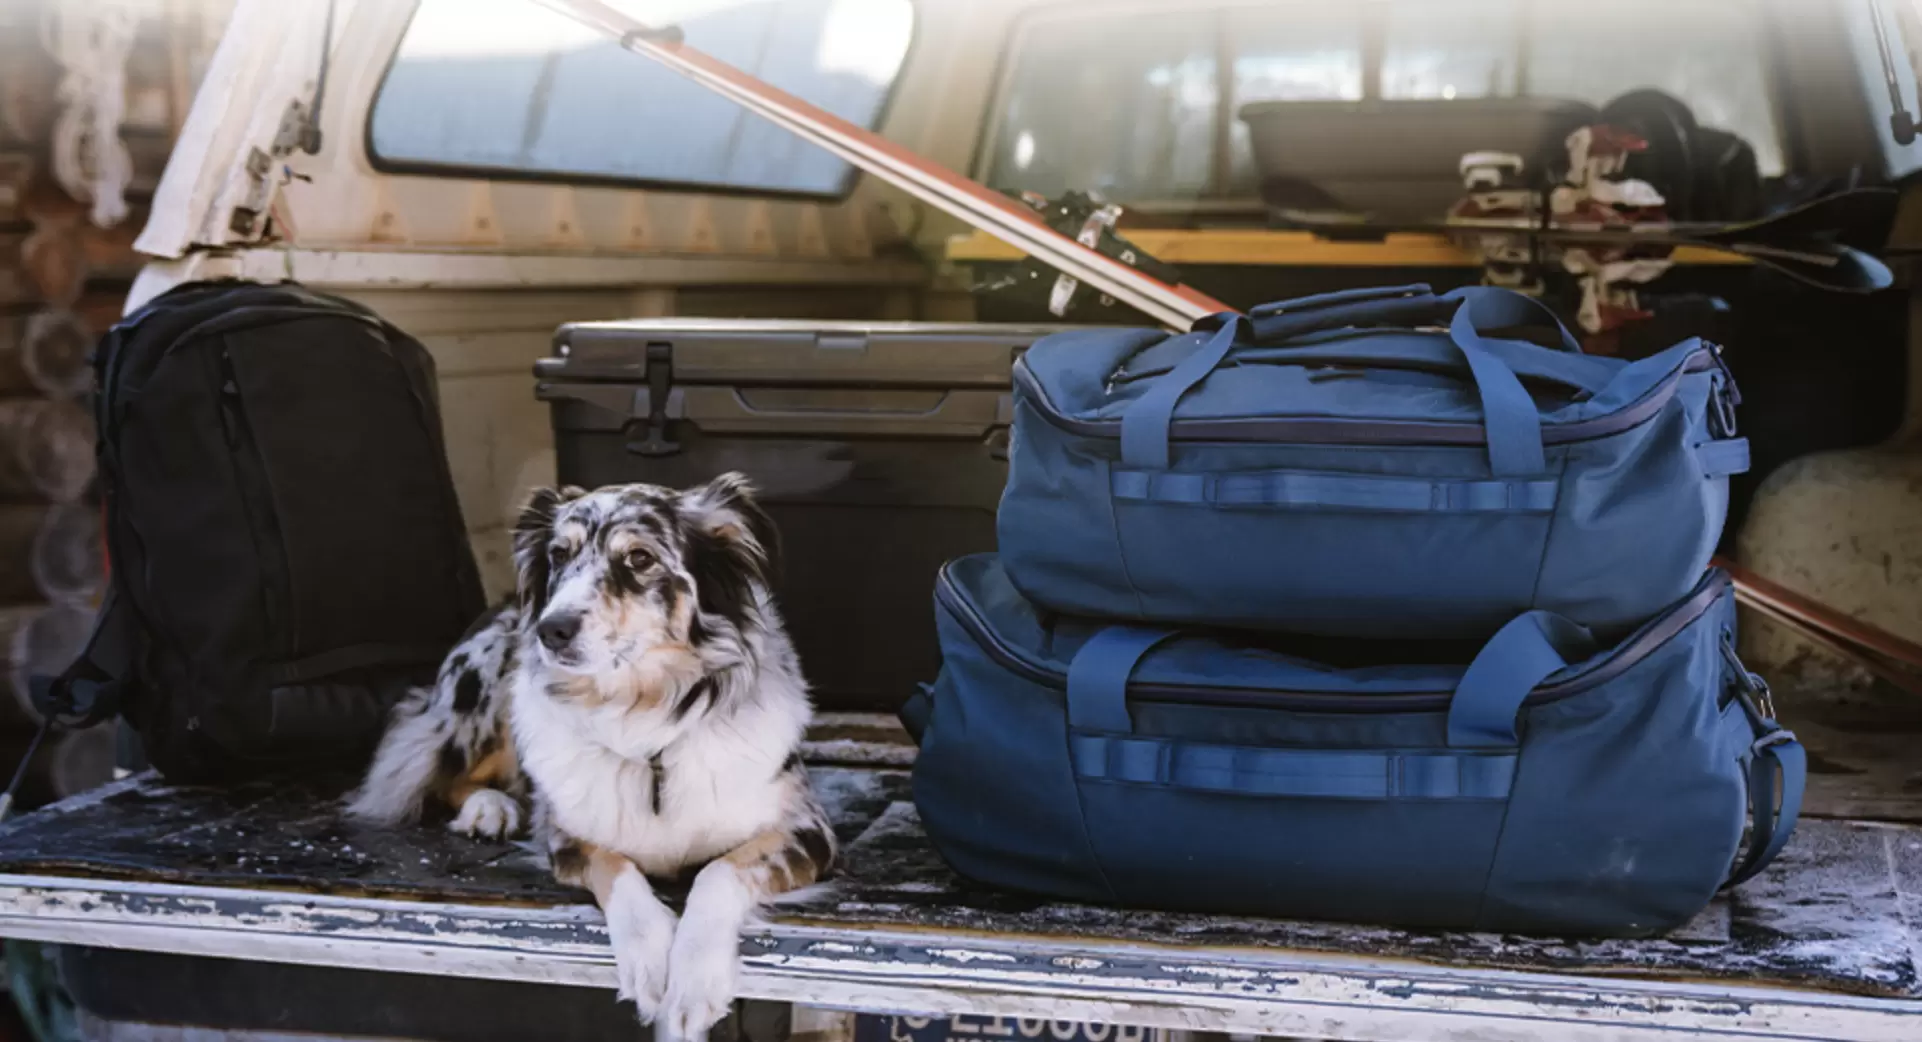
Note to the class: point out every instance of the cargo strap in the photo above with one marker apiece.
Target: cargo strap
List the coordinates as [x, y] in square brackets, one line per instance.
[1512, 421]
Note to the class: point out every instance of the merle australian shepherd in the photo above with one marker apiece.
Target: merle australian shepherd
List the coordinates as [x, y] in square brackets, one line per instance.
[641, 697]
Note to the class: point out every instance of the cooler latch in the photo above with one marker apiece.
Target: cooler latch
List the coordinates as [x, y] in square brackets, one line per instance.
[659, 374]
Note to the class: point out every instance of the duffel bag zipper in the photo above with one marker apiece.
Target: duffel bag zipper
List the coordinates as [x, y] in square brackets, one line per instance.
[1345, 430]
[1625, 655]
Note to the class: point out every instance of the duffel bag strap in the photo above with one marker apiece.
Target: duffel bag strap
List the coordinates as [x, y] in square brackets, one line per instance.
[1498, 308]
[1775, 749]
[1514, 425]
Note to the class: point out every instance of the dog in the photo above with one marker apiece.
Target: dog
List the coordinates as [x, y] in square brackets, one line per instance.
[640, 695]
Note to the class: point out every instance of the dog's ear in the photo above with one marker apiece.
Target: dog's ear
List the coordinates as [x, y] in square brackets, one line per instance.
[532, 533]
[732, 545]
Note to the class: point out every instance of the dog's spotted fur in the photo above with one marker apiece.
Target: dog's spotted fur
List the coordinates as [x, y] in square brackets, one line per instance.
[641, 694]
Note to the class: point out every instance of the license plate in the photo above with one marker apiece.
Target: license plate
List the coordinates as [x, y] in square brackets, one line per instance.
[877, 1027]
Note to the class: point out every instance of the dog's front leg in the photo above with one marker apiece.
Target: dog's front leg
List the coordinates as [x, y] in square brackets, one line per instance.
[639, 926]
[705, 968]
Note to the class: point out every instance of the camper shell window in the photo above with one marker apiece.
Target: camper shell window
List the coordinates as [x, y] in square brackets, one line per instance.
[1143, 103]
[509, 89]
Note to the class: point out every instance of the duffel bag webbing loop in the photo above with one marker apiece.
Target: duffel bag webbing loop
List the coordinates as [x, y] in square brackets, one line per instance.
[1479, 763]
[1775, 749]
[1514, 426]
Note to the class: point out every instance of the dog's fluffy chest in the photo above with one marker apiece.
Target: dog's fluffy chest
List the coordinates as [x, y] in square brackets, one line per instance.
[707, 792]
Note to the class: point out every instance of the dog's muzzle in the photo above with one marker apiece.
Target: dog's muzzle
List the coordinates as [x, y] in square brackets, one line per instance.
[557, 632]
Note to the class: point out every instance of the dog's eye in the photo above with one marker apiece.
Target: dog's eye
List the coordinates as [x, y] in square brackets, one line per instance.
[639, 560]
[557, 554]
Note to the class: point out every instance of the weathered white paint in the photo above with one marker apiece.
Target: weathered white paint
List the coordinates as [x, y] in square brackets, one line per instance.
[470, 270]
[934, 972]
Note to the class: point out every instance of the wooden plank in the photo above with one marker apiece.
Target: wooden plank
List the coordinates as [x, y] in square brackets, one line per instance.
[1265, 247]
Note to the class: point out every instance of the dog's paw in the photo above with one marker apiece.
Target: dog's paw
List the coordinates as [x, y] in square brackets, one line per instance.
[489, 814]
[704, 973]
[642, 932]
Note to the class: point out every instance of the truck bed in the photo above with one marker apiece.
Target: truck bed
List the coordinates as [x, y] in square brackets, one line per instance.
[1823, 946]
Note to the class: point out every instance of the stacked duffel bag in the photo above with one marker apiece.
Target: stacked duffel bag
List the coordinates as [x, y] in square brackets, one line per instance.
[1379, 606]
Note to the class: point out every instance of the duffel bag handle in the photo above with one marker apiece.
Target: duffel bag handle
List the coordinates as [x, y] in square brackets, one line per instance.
[1514, 426]
[1318, 301]
[1481, 715]
[1408, 307]
[1479, 762]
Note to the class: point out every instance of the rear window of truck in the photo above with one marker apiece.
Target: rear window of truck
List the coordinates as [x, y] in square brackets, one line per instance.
[1142, 104]
[510, 89]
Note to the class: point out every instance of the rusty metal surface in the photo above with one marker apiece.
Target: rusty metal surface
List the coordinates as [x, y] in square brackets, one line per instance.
[1840, 912]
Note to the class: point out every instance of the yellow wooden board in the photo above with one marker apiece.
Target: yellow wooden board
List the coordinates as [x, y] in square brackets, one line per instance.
[1295, 249]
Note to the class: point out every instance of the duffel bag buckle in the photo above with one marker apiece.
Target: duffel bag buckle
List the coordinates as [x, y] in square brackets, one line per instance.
[1754, 692]
[1725, 398]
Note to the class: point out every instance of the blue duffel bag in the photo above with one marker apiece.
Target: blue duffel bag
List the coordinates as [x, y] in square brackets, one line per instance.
[1371, 463]
[1552, 785]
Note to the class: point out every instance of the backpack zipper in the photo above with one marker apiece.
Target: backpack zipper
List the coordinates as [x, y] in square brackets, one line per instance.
[246, 453]
[1634, 649]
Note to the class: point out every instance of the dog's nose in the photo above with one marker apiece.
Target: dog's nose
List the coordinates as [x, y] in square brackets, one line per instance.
[558, 631]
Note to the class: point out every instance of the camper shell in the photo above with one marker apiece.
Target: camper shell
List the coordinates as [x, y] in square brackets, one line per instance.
[634, 320]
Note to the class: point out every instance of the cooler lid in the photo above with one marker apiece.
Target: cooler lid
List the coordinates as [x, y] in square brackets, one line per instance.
[782, 351]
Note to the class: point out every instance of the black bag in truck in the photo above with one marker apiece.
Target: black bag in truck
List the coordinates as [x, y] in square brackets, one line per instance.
[285, 546]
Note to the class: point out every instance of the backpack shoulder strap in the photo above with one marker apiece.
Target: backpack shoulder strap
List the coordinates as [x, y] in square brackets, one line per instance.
[94, 687]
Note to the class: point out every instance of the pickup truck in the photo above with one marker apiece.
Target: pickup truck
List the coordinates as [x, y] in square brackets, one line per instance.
[453, 164]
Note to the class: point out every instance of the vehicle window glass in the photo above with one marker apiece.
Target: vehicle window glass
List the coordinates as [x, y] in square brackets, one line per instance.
[1121, 103]
[1130, 104]
[1710, 54]
[1453, 49]
[507, 87]
[1300, 52]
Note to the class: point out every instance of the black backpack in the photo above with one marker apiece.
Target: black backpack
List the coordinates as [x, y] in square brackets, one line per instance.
[286, 551]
